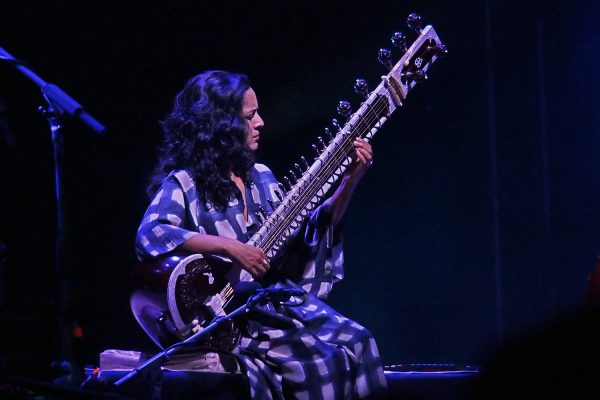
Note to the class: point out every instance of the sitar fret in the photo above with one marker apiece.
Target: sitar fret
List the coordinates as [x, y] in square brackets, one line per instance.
[323, 174]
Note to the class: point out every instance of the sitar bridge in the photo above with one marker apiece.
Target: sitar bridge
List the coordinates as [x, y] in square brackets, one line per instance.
[395, 89]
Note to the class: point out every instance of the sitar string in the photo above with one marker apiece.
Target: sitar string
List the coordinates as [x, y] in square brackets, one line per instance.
[332, 162]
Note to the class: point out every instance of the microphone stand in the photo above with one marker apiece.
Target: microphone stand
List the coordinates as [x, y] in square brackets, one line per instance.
[162, 357]
[59, 103]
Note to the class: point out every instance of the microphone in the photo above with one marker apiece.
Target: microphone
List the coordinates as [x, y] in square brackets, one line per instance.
[244, 290]
[281, 294]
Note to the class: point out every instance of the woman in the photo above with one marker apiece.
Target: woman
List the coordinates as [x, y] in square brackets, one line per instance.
[207, 192]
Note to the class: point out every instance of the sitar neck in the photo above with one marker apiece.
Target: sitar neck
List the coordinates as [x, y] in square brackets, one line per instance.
[334, 158]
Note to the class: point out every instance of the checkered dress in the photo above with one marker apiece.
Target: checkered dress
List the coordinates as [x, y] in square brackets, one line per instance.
[308, 351]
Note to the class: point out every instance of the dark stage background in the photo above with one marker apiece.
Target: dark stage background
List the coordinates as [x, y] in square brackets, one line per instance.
[478, 222]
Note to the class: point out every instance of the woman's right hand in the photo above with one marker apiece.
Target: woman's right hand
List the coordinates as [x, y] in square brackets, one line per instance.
[250, 258]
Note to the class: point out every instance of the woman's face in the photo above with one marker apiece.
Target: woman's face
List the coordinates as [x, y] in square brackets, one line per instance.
[255, 122]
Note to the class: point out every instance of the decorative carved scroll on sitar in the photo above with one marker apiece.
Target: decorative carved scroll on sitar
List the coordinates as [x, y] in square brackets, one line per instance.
[183, 294]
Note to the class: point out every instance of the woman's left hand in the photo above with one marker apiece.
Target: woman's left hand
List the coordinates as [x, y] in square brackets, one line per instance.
[363, 159]
[338, 202]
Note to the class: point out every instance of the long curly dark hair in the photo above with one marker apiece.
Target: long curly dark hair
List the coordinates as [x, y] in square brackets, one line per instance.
[205, 134]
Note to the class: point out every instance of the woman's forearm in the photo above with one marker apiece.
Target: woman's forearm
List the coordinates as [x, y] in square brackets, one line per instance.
[338, 203]
[207, 244]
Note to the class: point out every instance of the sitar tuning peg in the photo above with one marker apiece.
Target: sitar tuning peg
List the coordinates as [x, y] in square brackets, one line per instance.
[259, 217]
[298, 169]
[399, 41]
[361, 87]
[280, 193]
[344, 108]
[328, 133]
[316, 150]
[293, 175]
[288, 183]
[263, 212]
[437, 50]
[385, 57]
[336, 125]
[321, 143]
[414, 22]
[304, 163]
[415, 76]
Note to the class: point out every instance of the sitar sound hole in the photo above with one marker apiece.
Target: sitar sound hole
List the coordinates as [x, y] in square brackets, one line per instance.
[200, 281]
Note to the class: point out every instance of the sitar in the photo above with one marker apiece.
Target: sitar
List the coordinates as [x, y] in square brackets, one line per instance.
[179, 295]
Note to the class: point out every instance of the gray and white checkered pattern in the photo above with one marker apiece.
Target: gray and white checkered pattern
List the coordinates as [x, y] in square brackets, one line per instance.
[308, 351]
